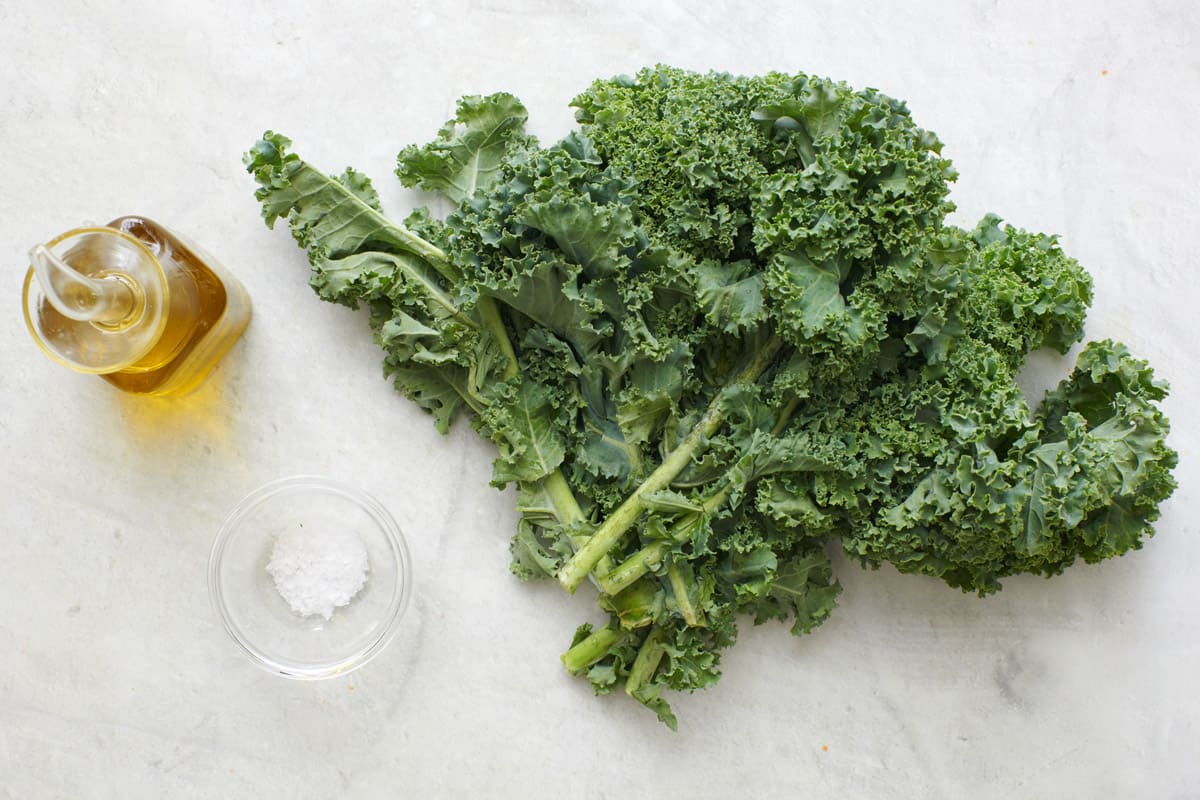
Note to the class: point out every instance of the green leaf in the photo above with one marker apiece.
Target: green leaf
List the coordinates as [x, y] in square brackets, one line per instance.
[588, 234]
[605, 453]
[1048, 461]
[544, 291]
[803, 588]
[669, 502]
[370, 274]
[651, 389]
[469, 152]
[1115, 528]
[791, 503]
[433, 343]
[640, 415]
[530, 443]
[650, 695]
[439, 390]
[817, 107]
[531, 557]
[331, 218]
[730, 294]
[809, 292]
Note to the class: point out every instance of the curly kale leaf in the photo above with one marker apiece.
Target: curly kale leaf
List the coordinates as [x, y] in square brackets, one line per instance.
[852, 177]
[470, 149]
[432, 344]
[1068, 487]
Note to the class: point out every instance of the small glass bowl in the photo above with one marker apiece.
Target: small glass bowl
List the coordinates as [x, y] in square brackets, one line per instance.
[258, 618]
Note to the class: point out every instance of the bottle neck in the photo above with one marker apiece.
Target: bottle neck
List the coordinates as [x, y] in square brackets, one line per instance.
[108, 301]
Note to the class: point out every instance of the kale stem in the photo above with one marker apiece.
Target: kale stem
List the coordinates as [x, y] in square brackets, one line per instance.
[649, 557]
[631, 569]
[431, 253]
[566, 507]
[652, 555]
[785, 415]
[489, 315]
[646, 663]
[590, 650]
[610, 532]
[680, 585]
[646, 560]
[558, 491]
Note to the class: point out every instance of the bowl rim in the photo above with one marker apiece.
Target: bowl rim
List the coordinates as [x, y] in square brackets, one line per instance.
[400, 593]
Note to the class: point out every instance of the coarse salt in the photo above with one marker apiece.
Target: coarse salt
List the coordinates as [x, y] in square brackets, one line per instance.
[318, 571]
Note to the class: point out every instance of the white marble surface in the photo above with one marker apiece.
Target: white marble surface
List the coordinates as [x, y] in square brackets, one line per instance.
[116, 680]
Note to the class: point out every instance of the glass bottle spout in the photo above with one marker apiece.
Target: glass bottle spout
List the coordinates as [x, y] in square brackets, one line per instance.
[107, 300]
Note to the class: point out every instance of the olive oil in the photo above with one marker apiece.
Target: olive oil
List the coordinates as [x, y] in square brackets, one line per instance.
[135, 303]
[209, 309]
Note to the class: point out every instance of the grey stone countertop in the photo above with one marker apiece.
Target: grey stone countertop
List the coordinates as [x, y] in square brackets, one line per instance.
[117, 679]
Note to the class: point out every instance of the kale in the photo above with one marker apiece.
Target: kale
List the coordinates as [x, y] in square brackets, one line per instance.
[721, 327]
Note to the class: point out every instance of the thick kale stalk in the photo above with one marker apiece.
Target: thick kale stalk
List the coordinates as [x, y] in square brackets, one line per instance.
[619, 521]
[694, 517]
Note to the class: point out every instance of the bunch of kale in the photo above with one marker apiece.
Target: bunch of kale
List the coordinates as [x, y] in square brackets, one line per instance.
[721, 325]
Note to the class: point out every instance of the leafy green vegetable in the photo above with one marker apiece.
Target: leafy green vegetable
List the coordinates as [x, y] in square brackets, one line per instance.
[469, 150]
[721, 327]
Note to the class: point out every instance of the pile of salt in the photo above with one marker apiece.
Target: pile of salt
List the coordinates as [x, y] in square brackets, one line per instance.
[316, 572]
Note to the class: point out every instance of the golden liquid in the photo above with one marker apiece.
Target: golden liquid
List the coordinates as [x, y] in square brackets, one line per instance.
[208, 311]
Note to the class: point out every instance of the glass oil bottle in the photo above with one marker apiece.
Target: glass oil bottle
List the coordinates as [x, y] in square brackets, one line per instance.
[134, 303]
